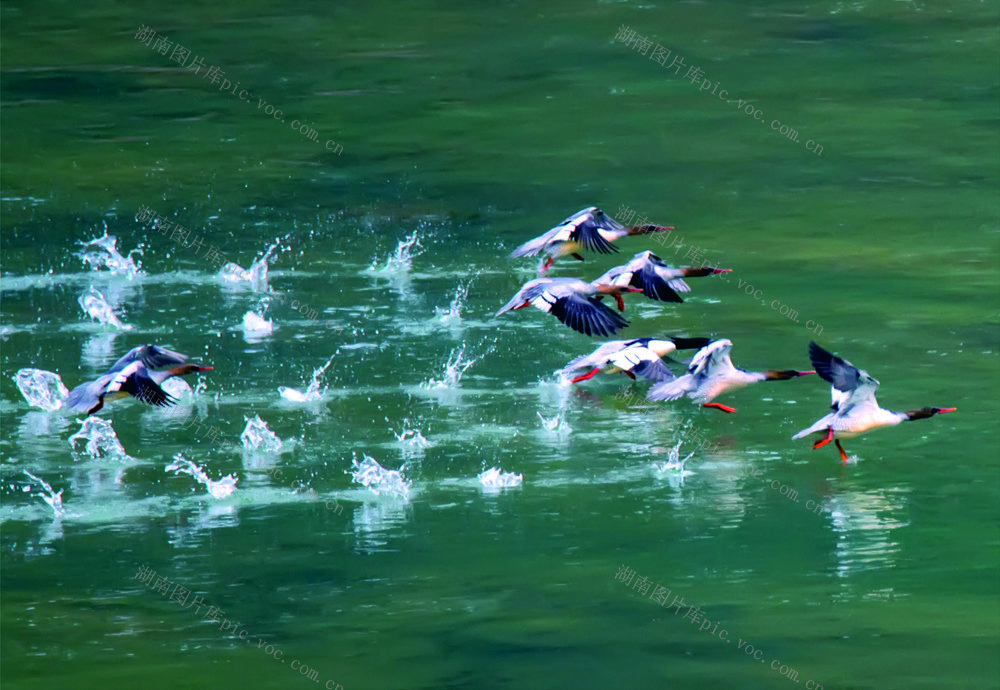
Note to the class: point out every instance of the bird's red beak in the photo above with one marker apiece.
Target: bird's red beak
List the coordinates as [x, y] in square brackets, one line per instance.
[947, 409]
[806, 373]
[722, 270]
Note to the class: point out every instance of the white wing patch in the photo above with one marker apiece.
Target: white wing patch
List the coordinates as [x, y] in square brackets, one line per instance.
[121, 377]
[623, 279]
[544, 301]
[628, 358]
[564, 234]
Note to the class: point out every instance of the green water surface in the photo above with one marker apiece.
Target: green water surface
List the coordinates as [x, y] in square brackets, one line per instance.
[477, 126]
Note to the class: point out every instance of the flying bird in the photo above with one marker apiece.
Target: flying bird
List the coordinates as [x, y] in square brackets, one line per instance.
[642, 357]
[589, 229]
[655, 278]
[712, 373]
[854, 409]
[573, 302]
[133, 375]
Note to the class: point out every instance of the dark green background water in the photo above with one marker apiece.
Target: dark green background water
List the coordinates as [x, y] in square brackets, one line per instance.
[479, 126]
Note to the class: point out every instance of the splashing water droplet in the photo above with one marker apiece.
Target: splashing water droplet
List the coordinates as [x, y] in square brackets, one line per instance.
[96, 306]
[455, 368]
[256, 436]
[378, 479]
[102, 442]
[255, 325]
[496, 478]
[401, 260]
[674, 464]
[452, 316]
[313, 391]
[49, 495]
[102, 253]
[556, 423]
[218, 489]
[41, 388]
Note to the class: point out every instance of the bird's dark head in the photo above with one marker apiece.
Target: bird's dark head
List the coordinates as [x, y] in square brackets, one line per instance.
[925, 412]
[785, 374]
[185, 369]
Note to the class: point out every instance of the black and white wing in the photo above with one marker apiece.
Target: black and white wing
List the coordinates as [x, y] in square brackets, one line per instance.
[597, 358]
[591, 228]
[583, 314]
[537, 245]
[851, 386]
[642, 361]
[135, 381]
[151, 356]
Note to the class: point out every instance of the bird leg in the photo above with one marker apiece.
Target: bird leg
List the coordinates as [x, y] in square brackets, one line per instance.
[590, 375]
[621, 302]
[546, 266]
[843, 455]
[577, 256]
[719, 406]
[824, 441]
[629, 374]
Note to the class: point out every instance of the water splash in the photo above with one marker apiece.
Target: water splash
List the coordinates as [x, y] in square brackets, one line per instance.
[455, 368]
[257, 437]
[379, 480]
[96, 306]
[256, 326]
[102, 442]
[556, 425]
[258, 269]
[177, 388]
[218, 489]
[233, 273]
[103, 253]
[48, 495]
[496, 478]
[313, 392]
[412, 439]
[401, 260]
[674, 466]
[452, 316]
[42, 389]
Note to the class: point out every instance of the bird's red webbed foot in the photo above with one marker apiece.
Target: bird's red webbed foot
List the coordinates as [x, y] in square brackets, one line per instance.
[822, 442]
[843, 453]
[720, 406]
[584, 377]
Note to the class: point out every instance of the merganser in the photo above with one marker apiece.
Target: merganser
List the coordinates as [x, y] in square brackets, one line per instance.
[573, 302]
[854, 407]
[712, 373]
[589, 229]
[132, 375]
[642, 356]
[655, 278]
